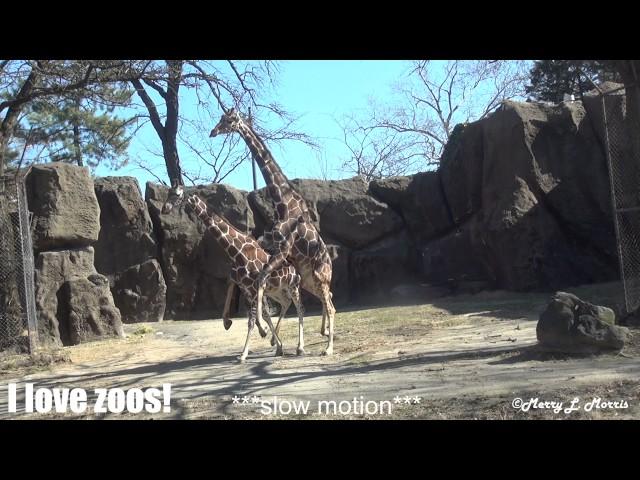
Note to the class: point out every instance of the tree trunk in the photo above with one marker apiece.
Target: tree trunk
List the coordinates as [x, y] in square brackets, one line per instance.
[77, 144]
[169, 145]
[8, 125]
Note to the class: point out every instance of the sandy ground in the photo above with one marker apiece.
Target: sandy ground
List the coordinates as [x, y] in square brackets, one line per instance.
[462, 357]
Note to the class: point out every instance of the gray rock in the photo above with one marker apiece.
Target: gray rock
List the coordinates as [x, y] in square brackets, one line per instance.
[545, 220]
[140, 293]
[88, 311]
[454, 257]
[126, 232]
[461, 170]
[571, 325]
[420, 200]
[67, 282]
[379, 268]
[65, 209]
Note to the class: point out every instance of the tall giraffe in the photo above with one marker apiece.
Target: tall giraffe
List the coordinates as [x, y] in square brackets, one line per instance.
[295, 238]
[248, 259]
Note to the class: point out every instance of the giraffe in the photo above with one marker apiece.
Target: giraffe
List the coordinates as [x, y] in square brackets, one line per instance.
[175, 196]
[295, 238]
[248, 259]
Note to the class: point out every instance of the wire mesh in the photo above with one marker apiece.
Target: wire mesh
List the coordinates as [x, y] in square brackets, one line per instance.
[17, 301]
[622, 137]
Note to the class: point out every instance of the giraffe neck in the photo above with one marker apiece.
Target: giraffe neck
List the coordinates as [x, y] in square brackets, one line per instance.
[278, 185]
[222, 232]
[270, 169]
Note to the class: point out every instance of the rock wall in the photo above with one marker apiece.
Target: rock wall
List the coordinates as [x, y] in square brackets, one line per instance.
[520, 201]
[73, 301]
[126, 250]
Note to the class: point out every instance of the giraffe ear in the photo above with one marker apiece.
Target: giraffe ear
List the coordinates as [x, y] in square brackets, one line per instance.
[249, 118]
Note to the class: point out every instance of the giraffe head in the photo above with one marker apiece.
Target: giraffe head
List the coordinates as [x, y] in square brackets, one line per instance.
[194, 202]
[174, 199]
[230, 122]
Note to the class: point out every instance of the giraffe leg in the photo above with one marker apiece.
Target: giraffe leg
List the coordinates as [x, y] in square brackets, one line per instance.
[268, 319]
[265, 312]
[284, 306]
[226, 320]
[324, 329]
[295, 297]
[328, 305]
[252, 321]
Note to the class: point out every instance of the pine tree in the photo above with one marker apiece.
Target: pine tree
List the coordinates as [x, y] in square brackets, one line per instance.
[76, 129]
[551, 79]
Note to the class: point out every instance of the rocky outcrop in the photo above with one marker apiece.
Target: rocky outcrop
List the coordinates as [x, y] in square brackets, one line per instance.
[546, 214]
[73, 302]
[126, 250]
[419, 200]
[520, 202]
[140, 292]
[448, 258]
[375, 270]
[64, 206]
[342, 210]
[126, 232]
[571, 325]
[88, 311]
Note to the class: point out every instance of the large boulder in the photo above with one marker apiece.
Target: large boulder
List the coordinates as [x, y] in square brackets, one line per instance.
[126, 250]
[66, 283]
[572, 325]
[88, 311]
[195, 267]
[126, 232]
[461, 171]
[419, 200]
[64, 205]
[545, 220]
[140, 293]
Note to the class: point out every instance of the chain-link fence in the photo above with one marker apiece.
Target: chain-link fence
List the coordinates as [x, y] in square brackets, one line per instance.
[622, 139]
[17, 300]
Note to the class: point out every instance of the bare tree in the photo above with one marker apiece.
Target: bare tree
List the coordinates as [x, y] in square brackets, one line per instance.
[429, 102]
[374, 152]
[214, 86]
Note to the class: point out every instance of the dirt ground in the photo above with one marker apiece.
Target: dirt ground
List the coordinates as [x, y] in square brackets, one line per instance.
[459, 357]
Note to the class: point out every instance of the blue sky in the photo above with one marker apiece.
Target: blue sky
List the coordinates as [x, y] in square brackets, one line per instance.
[319, 91]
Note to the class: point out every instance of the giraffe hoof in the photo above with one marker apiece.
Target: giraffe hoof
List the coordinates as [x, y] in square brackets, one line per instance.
[300, 352]
[324, 333]
[279, 352]
[242, 359]
[227, 323]
[327, 352]
[273, 341]
[263, 333]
